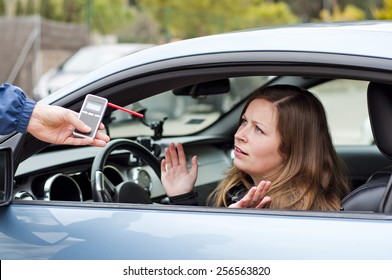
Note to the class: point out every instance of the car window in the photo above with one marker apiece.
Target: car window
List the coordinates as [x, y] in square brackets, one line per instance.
[183, 115]
[346, 108]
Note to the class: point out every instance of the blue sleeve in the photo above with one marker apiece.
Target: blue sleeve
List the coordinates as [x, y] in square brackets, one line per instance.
[15, 109]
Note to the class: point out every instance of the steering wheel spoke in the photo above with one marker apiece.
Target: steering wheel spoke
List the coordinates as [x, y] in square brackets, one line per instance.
[109, 186]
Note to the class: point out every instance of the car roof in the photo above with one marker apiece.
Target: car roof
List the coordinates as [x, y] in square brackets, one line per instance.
[361, 38]
[119, 47]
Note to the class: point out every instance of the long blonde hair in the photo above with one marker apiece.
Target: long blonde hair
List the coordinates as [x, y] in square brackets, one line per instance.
[312, 176]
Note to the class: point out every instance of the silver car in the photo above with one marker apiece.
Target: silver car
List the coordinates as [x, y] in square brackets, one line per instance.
[50, 208]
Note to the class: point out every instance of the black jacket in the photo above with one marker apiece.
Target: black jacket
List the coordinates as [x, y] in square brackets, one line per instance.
[235, 194]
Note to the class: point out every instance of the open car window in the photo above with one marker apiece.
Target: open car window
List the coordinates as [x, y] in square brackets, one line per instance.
[186, 115]
[183, 114]
[349, 125]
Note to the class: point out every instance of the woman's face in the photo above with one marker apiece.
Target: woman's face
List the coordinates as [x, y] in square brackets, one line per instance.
[257, 141]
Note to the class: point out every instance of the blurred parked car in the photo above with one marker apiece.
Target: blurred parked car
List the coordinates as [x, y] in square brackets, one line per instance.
[52, 205]
[80, 63]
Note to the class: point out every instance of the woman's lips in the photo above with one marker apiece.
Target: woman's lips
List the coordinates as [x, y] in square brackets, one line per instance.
[238, 151]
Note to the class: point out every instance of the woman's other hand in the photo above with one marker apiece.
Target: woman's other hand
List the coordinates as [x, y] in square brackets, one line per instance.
[255, 198]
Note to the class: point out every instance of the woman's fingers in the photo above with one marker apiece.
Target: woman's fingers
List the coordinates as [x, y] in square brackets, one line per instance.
[246, 201]
[175, 157]
[181, 154]
[163, 166]
[263, 202]
[168, 160]
[195, 167]
[256, 197]
[173, 154]
[261, 191]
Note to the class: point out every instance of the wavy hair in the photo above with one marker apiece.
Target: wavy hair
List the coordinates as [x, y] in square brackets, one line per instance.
[312, 176]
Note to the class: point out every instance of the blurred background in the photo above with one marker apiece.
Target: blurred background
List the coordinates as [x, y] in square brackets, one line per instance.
[43, 42]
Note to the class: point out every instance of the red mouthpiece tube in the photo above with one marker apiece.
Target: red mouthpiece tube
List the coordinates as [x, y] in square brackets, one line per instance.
[125, 110]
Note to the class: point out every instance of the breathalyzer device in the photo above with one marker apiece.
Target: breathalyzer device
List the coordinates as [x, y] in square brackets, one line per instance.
[91, 114]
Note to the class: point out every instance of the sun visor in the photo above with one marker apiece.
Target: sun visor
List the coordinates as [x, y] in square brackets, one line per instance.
[206, 88]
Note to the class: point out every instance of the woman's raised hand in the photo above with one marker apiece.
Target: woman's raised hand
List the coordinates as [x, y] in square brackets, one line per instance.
[175, 176]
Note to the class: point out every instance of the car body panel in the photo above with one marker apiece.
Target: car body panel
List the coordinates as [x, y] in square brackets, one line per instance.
[117, 232]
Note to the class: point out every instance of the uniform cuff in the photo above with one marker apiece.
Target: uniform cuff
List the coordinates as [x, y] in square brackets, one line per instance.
[25, 115]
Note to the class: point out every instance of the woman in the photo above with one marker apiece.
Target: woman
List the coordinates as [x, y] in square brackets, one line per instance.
[283, 158]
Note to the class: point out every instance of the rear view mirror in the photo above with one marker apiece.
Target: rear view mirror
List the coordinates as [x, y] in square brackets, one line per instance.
[6, 176]
[206, 88]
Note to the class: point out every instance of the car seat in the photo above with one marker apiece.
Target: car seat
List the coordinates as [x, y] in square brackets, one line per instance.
[375, 195]
[369, 196]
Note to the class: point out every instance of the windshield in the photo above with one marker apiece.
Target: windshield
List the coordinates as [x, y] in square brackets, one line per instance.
[182, 115]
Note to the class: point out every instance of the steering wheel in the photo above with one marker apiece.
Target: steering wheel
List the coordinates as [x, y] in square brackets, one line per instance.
[105, 191]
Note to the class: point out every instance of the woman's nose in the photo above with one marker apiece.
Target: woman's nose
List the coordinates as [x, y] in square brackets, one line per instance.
[240, 134]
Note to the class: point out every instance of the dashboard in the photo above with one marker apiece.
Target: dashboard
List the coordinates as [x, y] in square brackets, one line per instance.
[64, 175]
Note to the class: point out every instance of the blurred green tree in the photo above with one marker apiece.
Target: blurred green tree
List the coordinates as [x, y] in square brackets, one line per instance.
[348, 13]
[135, 20]
[102, 16]
[306, 10]
[30, 7]
[2, 7]
[187, 19]
[385, 12]
[19, 8]
[26, 7]
[110, 16]
[366, 5]
[47, 9]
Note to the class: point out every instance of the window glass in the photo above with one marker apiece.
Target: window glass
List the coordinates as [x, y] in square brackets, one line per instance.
[345, 104]
[183, 115]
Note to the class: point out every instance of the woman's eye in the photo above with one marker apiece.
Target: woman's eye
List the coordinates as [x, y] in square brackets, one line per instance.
[259, 129]
[243, 122]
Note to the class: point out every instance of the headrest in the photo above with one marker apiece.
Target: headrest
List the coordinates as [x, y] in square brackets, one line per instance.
[380, 113]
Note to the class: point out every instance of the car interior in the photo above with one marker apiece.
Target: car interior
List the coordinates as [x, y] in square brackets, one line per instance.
[128, 169]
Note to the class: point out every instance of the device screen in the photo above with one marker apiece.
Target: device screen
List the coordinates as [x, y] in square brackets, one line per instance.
[94, 106]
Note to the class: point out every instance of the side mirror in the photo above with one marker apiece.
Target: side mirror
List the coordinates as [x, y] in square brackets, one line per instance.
[6, 176]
